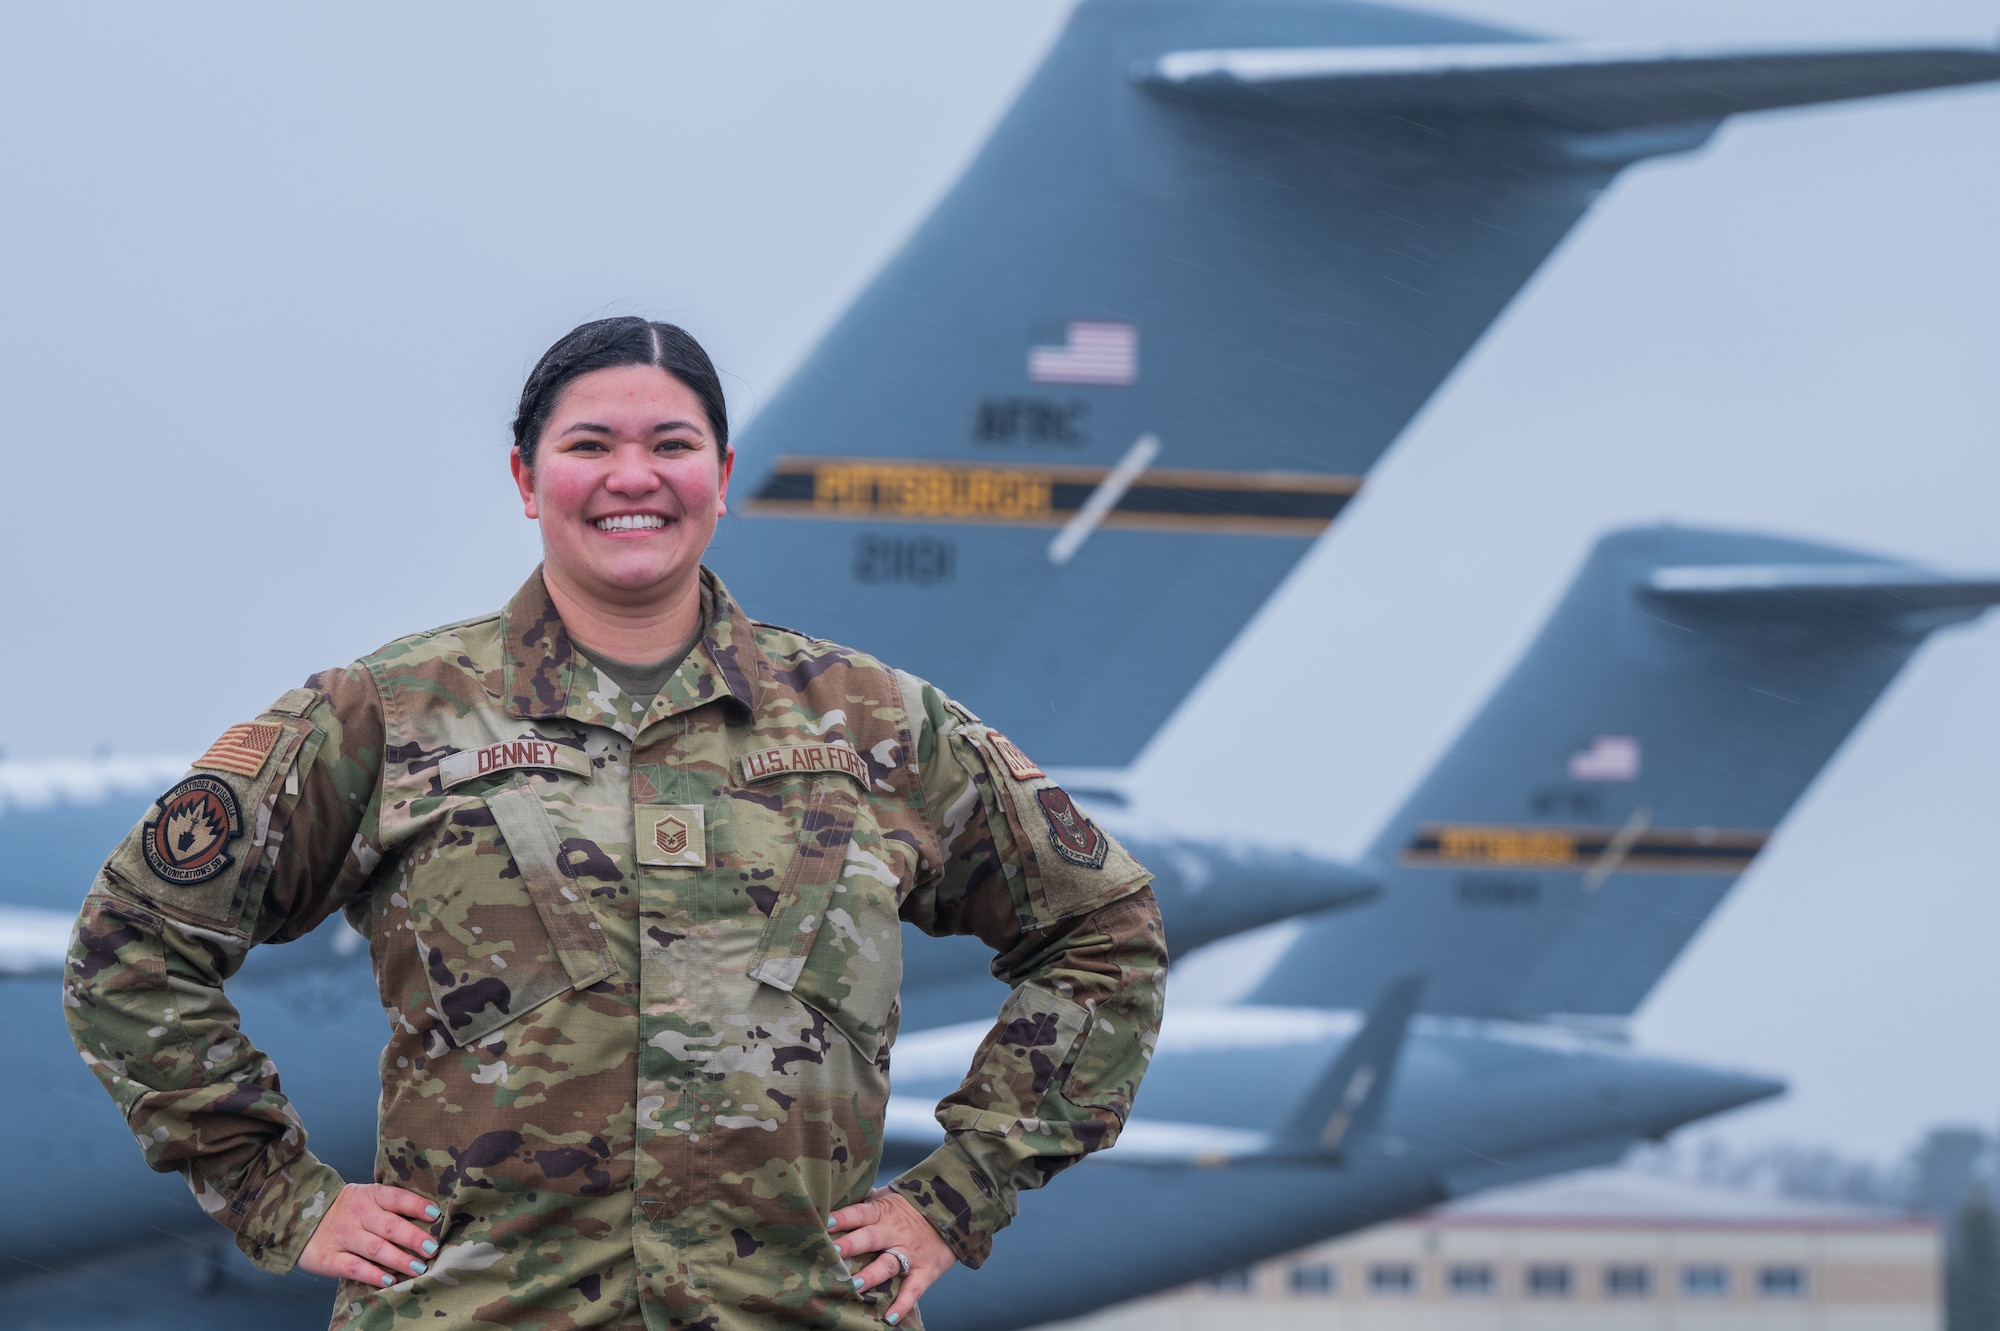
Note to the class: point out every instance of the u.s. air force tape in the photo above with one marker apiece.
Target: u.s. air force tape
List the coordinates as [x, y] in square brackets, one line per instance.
[804, 758]
[466, 764]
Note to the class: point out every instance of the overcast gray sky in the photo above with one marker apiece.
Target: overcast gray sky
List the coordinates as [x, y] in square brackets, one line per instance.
[271, 276]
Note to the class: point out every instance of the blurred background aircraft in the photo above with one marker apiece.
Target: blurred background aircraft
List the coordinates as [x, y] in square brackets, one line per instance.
[327, 196]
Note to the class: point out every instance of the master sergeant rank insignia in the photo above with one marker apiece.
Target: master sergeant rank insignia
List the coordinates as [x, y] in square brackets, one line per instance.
[671, 834]
[189, 842]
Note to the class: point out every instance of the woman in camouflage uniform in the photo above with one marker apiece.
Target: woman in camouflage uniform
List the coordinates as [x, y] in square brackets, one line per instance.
[631, 866]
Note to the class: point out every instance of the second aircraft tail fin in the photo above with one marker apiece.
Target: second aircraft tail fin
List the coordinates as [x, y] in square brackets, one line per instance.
[1688, 689]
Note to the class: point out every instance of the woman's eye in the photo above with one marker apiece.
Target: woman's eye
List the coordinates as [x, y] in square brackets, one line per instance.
[672, 446]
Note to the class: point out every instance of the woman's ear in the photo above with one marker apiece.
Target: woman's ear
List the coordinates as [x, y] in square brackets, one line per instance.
[524, 481]
[722, 485]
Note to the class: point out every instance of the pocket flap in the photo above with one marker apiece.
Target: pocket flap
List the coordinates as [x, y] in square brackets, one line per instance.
[796, 916]
[573, 928]
[476, 989]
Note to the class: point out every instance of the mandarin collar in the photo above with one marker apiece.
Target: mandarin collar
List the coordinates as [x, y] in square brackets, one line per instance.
[541, 661]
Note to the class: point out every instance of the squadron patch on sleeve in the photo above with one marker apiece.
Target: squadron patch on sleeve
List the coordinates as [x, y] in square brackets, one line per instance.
[1076, 838]
[189, 841]
[242, 749]
[1020, 764]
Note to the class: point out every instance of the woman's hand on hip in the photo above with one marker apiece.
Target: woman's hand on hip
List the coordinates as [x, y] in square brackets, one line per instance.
[888, 1220]
[365, 1237]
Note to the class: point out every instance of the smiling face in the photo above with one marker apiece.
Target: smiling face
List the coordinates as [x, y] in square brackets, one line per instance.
[627, 485]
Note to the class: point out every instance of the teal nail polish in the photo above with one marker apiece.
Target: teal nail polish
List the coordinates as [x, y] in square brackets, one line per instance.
[893, 1318]
[430, 1247]
[859, 1282]
[432, 1212]
[830, 1222]
[387, 1281]
[417, 1268]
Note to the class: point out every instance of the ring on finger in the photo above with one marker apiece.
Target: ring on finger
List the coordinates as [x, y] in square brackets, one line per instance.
[902, 1259]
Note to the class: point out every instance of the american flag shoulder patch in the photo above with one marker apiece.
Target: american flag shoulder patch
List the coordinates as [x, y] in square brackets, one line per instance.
[242, 749]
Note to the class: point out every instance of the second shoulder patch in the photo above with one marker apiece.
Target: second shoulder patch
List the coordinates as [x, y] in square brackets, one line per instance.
[1075, 837]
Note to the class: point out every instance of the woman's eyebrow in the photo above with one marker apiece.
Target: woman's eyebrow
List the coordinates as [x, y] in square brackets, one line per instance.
[592, 427]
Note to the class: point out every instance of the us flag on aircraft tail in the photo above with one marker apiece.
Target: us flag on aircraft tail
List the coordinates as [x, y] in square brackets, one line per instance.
[1092, 352]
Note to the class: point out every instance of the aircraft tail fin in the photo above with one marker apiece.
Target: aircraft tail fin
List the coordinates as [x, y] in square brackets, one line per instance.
[1345, 1103]
[1073, 436]
[1685, 693]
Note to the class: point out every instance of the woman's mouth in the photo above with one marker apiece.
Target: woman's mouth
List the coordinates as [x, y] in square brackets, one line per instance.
[630, 522]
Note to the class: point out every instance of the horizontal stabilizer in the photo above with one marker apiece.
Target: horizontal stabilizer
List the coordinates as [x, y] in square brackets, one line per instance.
[1209, 892]
[1578, 87]
[1884, 591]
[1205, 892]
[1345, 1102]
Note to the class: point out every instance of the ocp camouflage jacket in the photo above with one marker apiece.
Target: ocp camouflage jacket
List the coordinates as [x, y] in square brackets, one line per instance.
[640, 968]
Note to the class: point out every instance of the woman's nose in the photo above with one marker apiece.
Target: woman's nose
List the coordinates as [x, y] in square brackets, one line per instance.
[632, 472]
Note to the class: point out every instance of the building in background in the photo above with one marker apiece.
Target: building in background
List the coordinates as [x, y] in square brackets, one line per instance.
[1605, 1249]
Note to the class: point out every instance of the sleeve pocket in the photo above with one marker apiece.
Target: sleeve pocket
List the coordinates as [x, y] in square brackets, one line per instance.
[116, 995]
[1107, 1064]
[1035, 1040]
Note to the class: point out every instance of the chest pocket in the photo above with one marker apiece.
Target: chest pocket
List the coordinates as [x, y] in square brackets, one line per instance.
[495, 947]
[833, 940]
